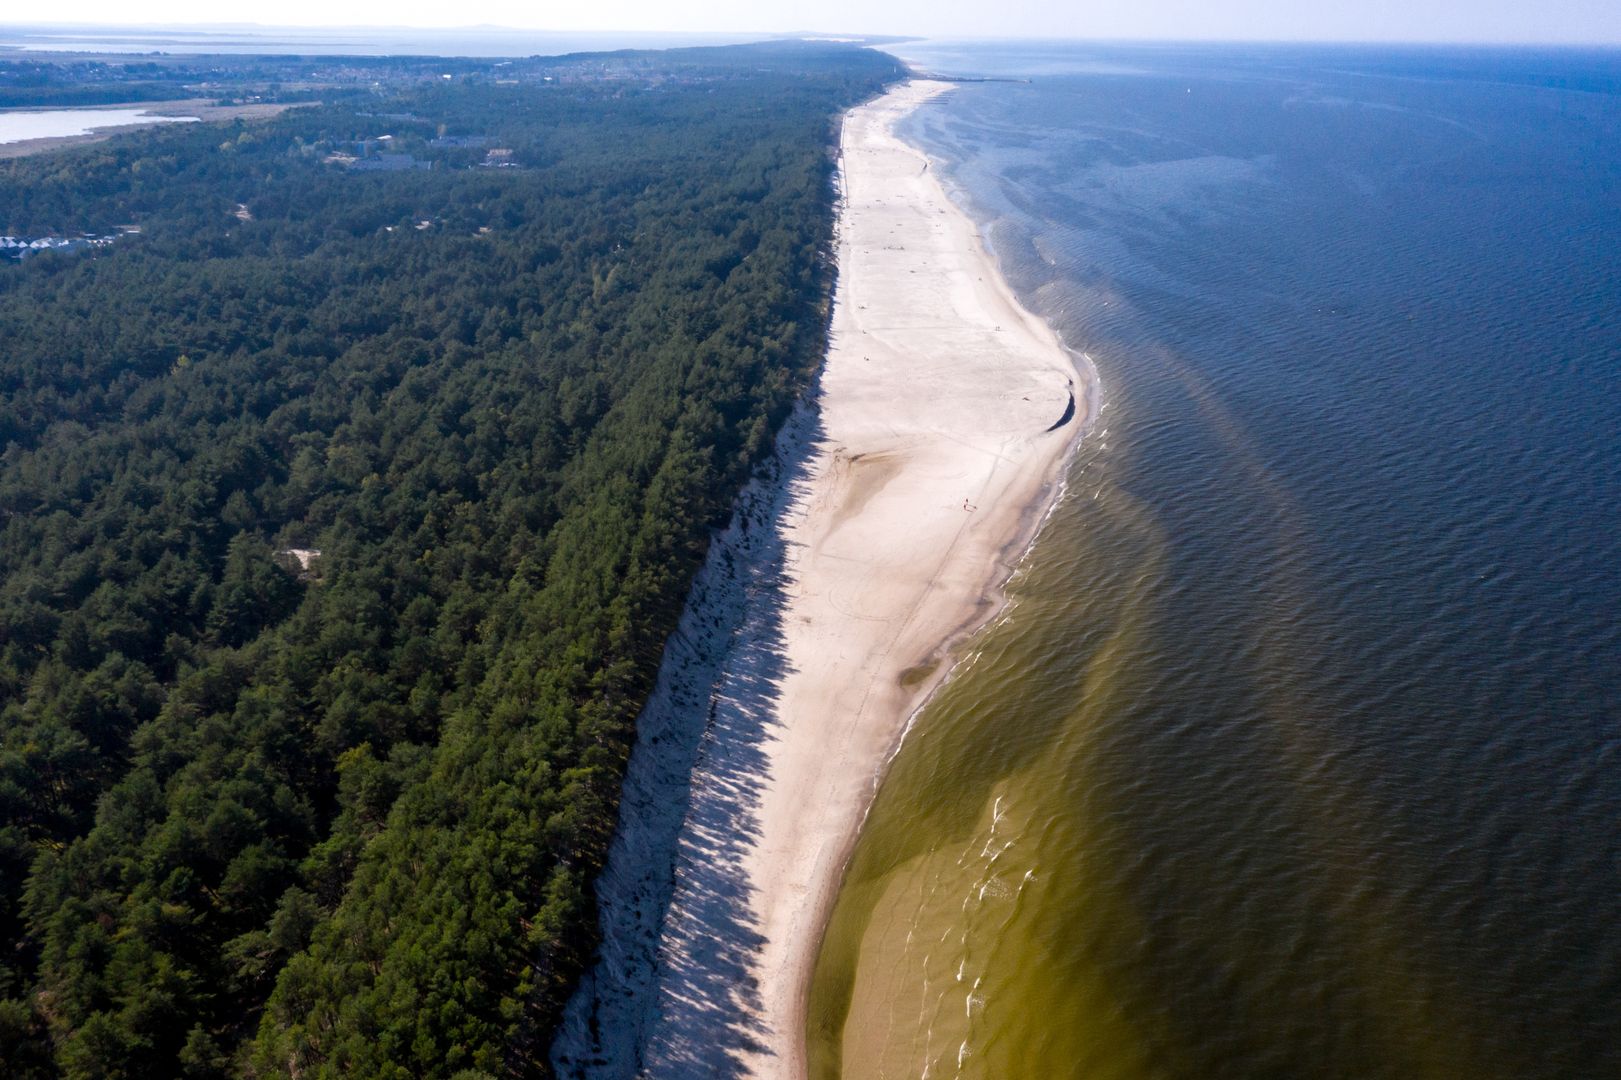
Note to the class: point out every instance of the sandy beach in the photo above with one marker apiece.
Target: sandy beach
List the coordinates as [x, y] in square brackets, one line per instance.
[902, 495]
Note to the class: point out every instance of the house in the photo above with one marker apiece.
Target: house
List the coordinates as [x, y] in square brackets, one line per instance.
[477, 142]
[389, 163]
[19, 248]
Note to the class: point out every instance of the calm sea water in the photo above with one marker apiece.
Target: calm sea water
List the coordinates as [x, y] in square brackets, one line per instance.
[1298, 753]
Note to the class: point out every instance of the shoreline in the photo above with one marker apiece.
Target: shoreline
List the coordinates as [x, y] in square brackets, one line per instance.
[905, 491]
[156, 113]
[985, 605]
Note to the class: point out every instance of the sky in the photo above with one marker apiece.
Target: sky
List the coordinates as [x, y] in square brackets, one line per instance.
[1564, 21]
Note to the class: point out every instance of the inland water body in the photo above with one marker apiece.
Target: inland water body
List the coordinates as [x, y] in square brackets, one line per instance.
[23, 124]
[1298, 751]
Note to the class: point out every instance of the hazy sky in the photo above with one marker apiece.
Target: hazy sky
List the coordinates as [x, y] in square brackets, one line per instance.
[1589, 21]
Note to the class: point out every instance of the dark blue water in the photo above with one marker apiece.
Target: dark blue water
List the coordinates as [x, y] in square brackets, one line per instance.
[1318, 759]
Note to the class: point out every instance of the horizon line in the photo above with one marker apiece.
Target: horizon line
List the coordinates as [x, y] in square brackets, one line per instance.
[203, 28]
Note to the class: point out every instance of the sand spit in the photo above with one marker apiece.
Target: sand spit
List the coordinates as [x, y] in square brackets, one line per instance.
[900, 495]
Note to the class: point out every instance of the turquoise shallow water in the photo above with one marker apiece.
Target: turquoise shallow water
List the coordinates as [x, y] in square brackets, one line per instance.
[1296, 754]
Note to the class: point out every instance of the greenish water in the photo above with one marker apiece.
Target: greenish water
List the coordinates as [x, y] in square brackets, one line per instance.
[1295, 753]
[948, 908]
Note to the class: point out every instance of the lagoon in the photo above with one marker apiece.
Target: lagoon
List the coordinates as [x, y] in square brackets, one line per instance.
[24, 125]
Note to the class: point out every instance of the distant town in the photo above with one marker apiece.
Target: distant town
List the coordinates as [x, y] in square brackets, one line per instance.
[67, 79]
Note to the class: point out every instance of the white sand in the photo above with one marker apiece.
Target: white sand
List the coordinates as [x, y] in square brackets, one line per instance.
[825, 616]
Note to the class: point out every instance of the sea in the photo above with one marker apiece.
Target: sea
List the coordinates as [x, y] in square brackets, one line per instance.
[1297, 749]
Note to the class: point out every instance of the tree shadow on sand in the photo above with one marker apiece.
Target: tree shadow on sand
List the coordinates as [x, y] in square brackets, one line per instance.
[673, 994]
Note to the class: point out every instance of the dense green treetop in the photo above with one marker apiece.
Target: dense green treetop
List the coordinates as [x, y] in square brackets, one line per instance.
[258, 819]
